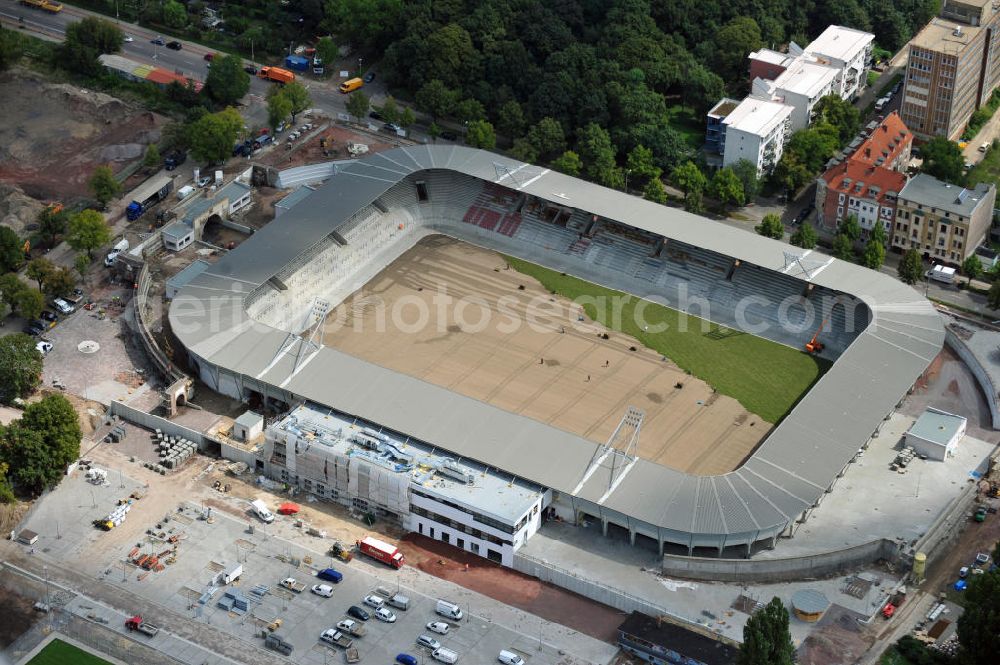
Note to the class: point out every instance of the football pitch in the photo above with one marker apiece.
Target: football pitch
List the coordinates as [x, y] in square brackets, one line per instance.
[58, 652]
[767, 378]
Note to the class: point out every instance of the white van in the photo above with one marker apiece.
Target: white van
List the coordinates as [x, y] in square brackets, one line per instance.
[942, 274]
[509, 658]
[449, 610]
[444, 655]
[121, 246]
[261, 511]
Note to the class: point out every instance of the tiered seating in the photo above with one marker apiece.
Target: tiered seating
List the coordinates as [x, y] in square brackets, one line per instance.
[510, 223]
[579, 246]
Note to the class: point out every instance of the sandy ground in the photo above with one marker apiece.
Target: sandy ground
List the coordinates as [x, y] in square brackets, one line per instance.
[574, 380]
[54, 135]
[511, 587]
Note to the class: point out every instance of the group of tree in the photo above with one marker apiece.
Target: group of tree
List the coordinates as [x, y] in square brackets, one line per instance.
[85, 41]
[36, 449]
[286, 100]
[944, 160]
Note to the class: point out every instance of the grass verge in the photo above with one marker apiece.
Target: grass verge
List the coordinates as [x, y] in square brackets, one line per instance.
[767, 378]
[58, 652]
[688, 124]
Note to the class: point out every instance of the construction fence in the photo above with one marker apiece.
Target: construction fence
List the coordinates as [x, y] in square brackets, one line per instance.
[168, 427]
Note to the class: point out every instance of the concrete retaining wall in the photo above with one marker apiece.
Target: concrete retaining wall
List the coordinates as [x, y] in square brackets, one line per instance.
[825, 564]
[948, 527]
[982, 377]
[151, 422]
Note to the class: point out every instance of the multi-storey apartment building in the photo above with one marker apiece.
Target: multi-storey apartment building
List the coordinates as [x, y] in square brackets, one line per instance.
[944, 222]
[756, 130]
[953, 68]
[848, 51]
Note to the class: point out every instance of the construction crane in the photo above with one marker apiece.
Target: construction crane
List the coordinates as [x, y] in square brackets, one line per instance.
[814, 345]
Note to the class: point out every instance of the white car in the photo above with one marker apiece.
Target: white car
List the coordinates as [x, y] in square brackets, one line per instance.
[44, 347]
[509, 658]
[371, 600]
[428, 641]
[324, 590]
[204, 180]
[439, 627]
[128, 39]
[383, 614]
[63, 306]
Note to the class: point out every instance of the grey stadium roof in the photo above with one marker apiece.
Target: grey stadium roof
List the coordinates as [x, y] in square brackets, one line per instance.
[786, 475]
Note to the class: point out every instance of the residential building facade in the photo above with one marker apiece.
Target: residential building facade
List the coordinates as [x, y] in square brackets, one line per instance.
[715, 128]
[944, 222]
[847, 50]
[954, 62]
[757, 130]
[868, 181]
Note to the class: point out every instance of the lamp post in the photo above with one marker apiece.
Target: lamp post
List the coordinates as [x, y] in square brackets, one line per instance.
[360, 60]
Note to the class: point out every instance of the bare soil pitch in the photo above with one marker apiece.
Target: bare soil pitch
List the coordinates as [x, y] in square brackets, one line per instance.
[531, 355]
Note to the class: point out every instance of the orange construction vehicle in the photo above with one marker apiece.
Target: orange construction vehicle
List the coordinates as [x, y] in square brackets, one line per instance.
[814, 345]
[276, 74]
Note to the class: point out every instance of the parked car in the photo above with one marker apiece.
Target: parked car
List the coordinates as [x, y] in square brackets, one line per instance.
[158, 41]
[383, 614]
[63, 306]
[128, 39]
[509, 658]
[330, 575]
[406, 659]
[439, 627]
[984, 147]
[428, 641]
[358, 613]
[250, 69]
[391, 127]
[174, 46]
[371, 600]
[38, 327]
[204, 180]
[449, 136]
[374, 114]
[44, 347]
[324, 590]
[49, 316]
[369, 77]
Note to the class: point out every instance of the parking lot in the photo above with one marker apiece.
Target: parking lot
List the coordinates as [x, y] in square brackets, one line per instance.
[190, 587]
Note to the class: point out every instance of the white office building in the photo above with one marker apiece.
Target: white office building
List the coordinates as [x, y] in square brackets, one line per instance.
[757, 130]
[848, 51]
[393, 477]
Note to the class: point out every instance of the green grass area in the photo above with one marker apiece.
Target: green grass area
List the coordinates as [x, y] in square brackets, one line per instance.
[767, 378]
[987, 170]
[688, 123]
[58, 652]
[872, 77]
[893, 657]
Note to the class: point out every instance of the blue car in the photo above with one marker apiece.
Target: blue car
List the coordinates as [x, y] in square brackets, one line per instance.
[330, 575]
[406, 659]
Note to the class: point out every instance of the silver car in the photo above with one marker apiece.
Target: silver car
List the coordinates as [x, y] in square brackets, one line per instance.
[428, 641]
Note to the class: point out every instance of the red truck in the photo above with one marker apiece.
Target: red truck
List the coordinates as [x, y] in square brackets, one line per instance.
[384, 552]
[897, 599]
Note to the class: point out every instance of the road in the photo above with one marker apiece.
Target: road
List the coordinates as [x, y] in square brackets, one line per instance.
[189, 61]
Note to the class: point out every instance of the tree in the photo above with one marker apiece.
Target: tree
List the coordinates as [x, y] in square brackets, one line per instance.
[60, 283]
[979, 624]
[152, 158]
[82, 264]
[791, 173]
[407, 118]
[52, 222]
[28, 303]
[688, 178]
[814, 146]
[972, 267]
[733, 42]
[6, 492]
[640, 163]
[993, 299]
[103, 185]
[911, 267]
[569, 163]
[746, 171]
[850, 227]
[436, 99]
[11, 250]
[843, 115]
[547, 137]
[327, 51]
[358, 105]
[655, 192]
[943, 159]
[88, 230]
[693, 202]
[57, 421]
[470, 109]
[390, 111]
[766, 640]
[481, 135]
[279, 107]
[510, 119]
[874, 254]
[10, 48]
[771, 227]
[843, 247]
[227, 83]
[20, 367]
[298, 96]
[212, 137]
[597, 153]
[805, 236]
[174, 14]
[31, 466]
[87, 39]
[40, 270]
[726, 187]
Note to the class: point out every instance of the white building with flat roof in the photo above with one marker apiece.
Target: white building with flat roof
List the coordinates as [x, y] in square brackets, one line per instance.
[757, 130]
[800, 86]
[847, 50]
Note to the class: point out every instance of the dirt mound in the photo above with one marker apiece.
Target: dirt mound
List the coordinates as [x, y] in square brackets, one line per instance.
[17, 210]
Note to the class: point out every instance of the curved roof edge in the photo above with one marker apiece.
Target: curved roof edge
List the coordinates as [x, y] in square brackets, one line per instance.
[786, 474]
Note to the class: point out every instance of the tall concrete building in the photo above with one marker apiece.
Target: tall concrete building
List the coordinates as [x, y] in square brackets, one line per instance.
[953, 68]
